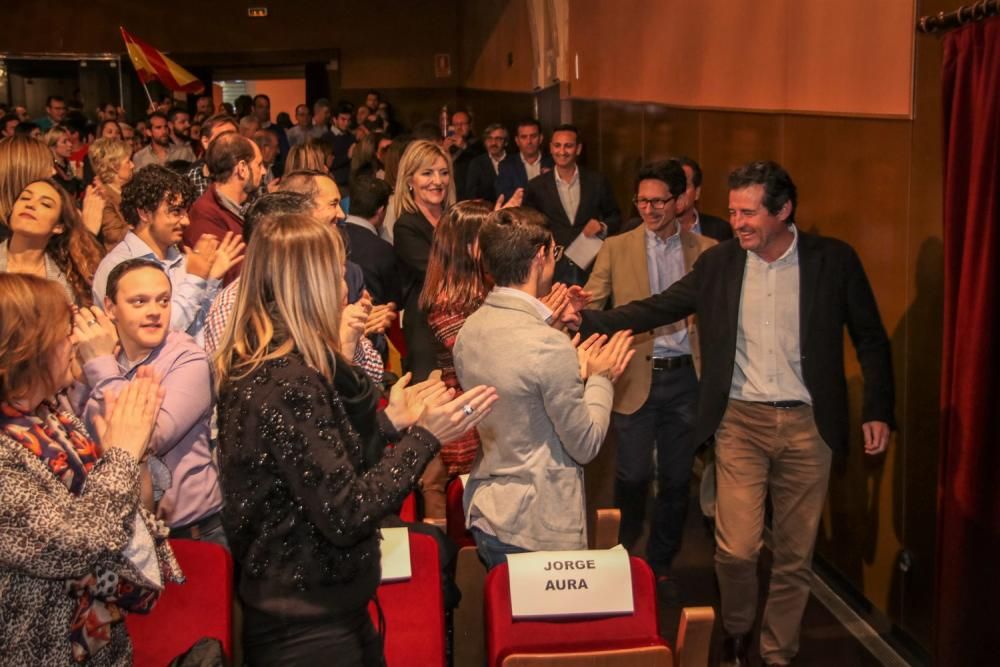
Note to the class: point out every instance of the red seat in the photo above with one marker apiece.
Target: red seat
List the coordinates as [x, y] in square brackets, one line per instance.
[200, 607]
[408, 510]
[507, 637]
[455, 515]
[414, 610]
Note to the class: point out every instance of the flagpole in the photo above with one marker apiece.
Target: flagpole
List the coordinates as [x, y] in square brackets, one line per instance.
[148, 96]
[144, 87]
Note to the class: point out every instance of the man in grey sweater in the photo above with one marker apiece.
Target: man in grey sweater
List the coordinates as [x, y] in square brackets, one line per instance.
[525, 492]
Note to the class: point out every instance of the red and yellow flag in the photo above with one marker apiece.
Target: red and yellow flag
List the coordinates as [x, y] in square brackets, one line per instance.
[152, 64]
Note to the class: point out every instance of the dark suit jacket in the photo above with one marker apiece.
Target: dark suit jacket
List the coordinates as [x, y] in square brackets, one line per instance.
[833, 293]
[513, 175]
[460, 161]
[480, 179]
[714, 228]
[412, 238]
[377, 260]
[596, 201]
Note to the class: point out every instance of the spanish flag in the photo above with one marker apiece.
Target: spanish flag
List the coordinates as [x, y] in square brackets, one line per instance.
[152, 64]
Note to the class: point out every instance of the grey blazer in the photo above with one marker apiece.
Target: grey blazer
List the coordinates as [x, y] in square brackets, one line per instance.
[527, 481]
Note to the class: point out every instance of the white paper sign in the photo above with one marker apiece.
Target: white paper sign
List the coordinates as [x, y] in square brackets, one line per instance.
[396, 554]
[557, 584]
[583, 250]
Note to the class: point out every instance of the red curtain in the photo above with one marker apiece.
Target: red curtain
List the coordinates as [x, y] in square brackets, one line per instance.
[968, 550]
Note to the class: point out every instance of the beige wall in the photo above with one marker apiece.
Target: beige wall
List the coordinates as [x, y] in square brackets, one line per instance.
[824, 56]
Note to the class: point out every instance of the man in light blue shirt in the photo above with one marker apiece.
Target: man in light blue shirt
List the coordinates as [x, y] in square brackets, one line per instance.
[155, 204]
[656, 398]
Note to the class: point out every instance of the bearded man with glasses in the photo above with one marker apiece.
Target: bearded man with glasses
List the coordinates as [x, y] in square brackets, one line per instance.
[656, 398]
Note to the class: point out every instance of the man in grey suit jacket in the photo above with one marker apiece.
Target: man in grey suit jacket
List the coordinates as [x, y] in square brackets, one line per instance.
[525, 492]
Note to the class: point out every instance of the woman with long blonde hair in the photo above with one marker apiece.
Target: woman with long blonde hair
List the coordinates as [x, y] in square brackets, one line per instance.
[424, 191]
[306, 475]
[113, 168]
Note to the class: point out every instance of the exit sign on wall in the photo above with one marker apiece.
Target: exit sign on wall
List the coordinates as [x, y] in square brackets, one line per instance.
[257, 12]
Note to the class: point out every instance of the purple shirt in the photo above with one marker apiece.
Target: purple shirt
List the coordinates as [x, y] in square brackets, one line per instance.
[181, 438]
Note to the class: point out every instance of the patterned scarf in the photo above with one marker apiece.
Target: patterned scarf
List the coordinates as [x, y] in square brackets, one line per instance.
[102, 597]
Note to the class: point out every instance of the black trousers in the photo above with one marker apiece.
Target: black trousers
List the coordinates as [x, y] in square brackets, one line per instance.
[347, 639]
[666, 422]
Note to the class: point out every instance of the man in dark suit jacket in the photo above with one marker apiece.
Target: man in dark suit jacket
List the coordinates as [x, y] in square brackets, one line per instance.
[528, 162]
[772, 306]
[464, 147]
[481, 177]
[375, 256]
[691, 218]
[576, 200]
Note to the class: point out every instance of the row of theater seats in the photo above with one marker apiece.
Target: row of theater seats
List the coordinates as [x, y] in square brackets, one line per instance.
[413, 610]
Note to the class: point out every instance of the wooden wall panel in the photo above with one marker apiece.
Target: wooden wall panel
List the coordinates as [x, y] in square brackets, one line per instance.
[495, 45]
[383, 43]
[856, 190]
[620, 148]
[668, 132]
[489, 106]
[728, 140]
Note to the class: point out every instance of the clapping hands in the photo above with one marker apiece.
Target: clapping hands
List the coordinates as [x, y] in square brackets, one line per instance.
[211, 259]
[600, 356]
[407, 402]
[95, 334]
[130, 416]
[566, 304]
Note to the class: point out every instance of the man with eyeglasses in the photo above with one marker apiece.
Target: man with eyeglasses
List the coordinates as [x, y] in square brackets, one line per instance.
[656, 400]
[525, 491]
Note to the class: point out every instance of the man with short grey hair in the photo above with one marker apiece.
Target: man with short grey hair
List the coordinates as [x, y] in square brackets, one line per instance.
[481, 177]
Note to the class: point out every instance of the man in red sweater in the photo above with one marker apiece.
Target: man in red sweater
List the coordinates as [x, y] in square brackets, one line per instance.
[236, 165]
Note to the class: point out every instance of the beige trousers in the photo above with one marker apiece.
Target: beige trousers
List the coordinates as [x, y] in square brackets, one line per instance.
[761, 449]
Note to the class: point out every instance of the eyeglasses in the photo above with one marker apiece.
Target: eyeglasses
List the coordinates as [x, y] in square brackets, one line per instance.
[557, 252]
[657, 204]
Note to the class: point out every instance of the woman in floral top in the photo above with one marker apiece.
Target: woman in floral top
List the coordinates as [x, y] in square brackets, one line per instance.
[77, 551]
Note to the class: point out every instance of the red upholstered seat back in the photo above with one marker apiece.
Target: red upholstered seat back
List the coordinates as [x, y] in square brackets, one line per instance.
[455, 513]
[408, 510]
[414, 610]
[200, 607]
[505, 636]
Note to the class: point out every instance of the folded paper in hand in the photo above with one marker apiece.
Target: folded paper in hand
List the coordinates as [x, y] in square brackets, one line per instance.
[583, 250]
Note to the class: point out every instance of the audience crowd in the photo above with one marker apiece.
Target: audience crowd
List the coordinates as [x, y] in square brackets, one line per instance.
[266, 334]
